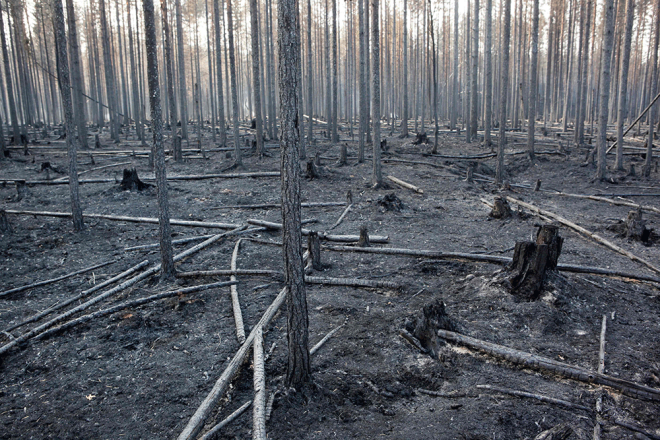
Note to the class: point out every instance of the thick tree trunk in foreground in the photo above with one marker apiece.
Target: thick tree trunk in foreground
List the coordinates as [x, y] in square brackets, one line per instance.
[8, 82]
[298, 371]
[504, 90]
[623, 84]
[166, 254]
[238, 160]
[605, 76]
[65, 91]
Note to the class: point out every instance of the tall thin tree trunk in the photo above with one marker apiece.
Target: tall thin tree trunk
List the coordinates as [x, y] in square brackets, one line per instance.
[234, 90]
[623, 83]
[256, 75]
[169, 71]
[364, 105]
[166, 254]
[606, 54]
[548, 71]
[654, 90]
[488, 100]
[8, 81]
[299, 370]
[533, 81]
[475, 70]
[76, 77]
[335, 93]
[183, 96]
[585, 77]
[109, 74]
[377, 176]
[65, 91]
[506, 38]
[310, 76]
[404, 120]
[218, 72]
[454, 90]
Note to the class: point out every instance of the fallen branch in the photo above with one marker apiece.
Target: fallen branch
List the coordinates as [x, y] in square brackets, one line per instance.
[452, 395]
[157, 245]
[123, 218]
[421, 253]
[54, 280]
[229, 272]
[406, 184]
[614, 202]
[230, 418]
[129, 304]
[532, 361]
[601, 370]
[351, 282]
[319, 344]
[322, 235]
[341, 217]
[235, 303]
[81, 295]
[259, 407]
[540, 397]
[152, 179]
[196, 422]
[94, 169]
[635, 428]
[583, 231]
[279, 206]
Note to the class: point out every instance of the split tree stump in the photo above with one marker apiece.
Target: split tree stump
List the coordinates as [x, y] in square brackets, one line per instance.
[501, 208]
[531, 260]
[131, 181]
[635, 227]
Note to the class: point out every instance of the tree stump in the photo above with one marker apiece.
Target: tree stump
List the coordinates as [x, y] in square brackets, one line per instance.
[343, 155]
[635, 227]
[178, 153]
[434, 317]
[5, 226]
[363, 241]
[421, 138]
[532, 260]
[97, 141]
[383, 146]
[312, 171]
[470, 172]
[314, 248]
[391, 202]
[22, 190]
[131, 181]
[501, 208]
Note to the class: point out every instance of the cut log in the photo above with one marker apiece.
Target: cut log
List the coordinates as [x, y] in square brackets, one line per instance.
[55, 280]
[352, 282]
[501, 208]
[198, 419]
[236, 305]
[131, 181]
[540, 363]
[259, 406]
[406, 184]
[585, 232]
[279, 206]
[322, 235]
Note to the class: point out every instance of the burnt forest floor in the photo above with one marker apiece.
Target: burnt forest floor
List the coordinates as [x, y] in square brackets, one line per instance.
[142, 372]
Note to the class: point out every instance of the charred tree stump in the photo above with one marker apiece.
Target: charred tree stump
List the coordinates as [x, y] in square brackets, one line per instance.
[469, 177]
[532, 260]
[343, 155]
[635, 227]
[501, 208]
[364, 237]
[425, 329]
[97, 141]
[312, 171]
[5, 226]
[421, 138]
[178, 153]
[22, 190]
[314, 249]
[131, 181]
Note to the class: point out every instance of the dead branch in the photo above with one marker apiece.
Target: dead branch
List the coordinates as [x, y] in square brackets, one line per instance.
[196, 422]
[406, 184]
[130, 304]
[341, 217]
[452, 395]
[81, 295]
[54, 280]
[421, 253]
[535, 362]
[95, 169]
[613, 202]
[322, 235]
[583, 231]
[540, 397]
[319, 344]
[157, 245]
[230, 418]
[123, 218]
[229, 272]
[236, 305]
[279, 206]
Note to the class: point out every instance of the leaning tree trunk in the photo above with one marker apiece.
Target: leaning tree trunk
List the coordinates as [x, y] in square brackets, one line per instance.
[504, 86]
[77, 83]
[218, 72]
[65, 91]
[298, 371]
[377, 176]
[654, 91]
[533, 82]
[475, 69]
[605, 75]
[166, 254]
[238, 160]
[183, 96]
[623, 84]
[256, 76]
[10, 88]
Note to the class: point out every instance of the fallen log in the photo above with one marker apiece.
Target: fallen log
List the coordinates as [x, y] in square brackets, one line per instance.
[539, 397]
[613, 202]
[259, 404]
[230, 418]
[352, 282]
[322, 235]
[406, 184]
[319, 344]
[235, 303]
[229, 272]
[341, 217]
[152, 179]
[96, 169]
[123, 218]
[583, 231]
[157, 245]
[129, 304]
[196, 422]
[81, 295]
[528, 360]
[55, 280]
[279, 206]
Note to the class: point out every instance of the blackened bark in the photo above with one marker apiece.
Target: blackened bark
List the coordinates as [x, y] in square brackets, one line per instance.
[234, 91]
[218, 71]
[377, 175]
[605, 76]
[256, 76]
[533, 81]
[166, 254]
[77, 83]
[183, 95]
[168, 65]
[504, 90]
[8, 81]
[298, 371]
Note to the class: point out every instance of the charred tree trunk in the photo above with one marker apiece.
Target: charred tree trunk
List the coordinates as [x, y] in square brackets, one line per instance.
[256, 76]
[109, 73]
[404, 120]
[475, 70]
[377, 176]
[218, 72]
[488, 99]
[169, 61]
[77, 83]
[8, 81]
[623, 84]
[533, 82]
[183, 96]
[654, 89]
[238, 160]
[605, 74]
[504, 89]
[298, 370]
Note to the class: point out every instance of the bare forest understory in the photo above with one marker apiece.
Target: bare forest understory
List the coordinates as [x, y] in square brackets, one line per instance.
[142, 371]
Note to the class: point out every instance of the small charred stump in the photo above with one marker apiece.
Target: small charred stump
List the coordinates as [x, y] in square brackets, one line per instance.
[425, 329]
[531, 261]
[97, 141]
[343, 155]
[383, 146]
[312, 170]
[131, 181]
[314, 248]
[501, 208]
[421, 138]
[176, 148]
[5, 226]
[635, 227]
[391, 202]
[363, 241]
